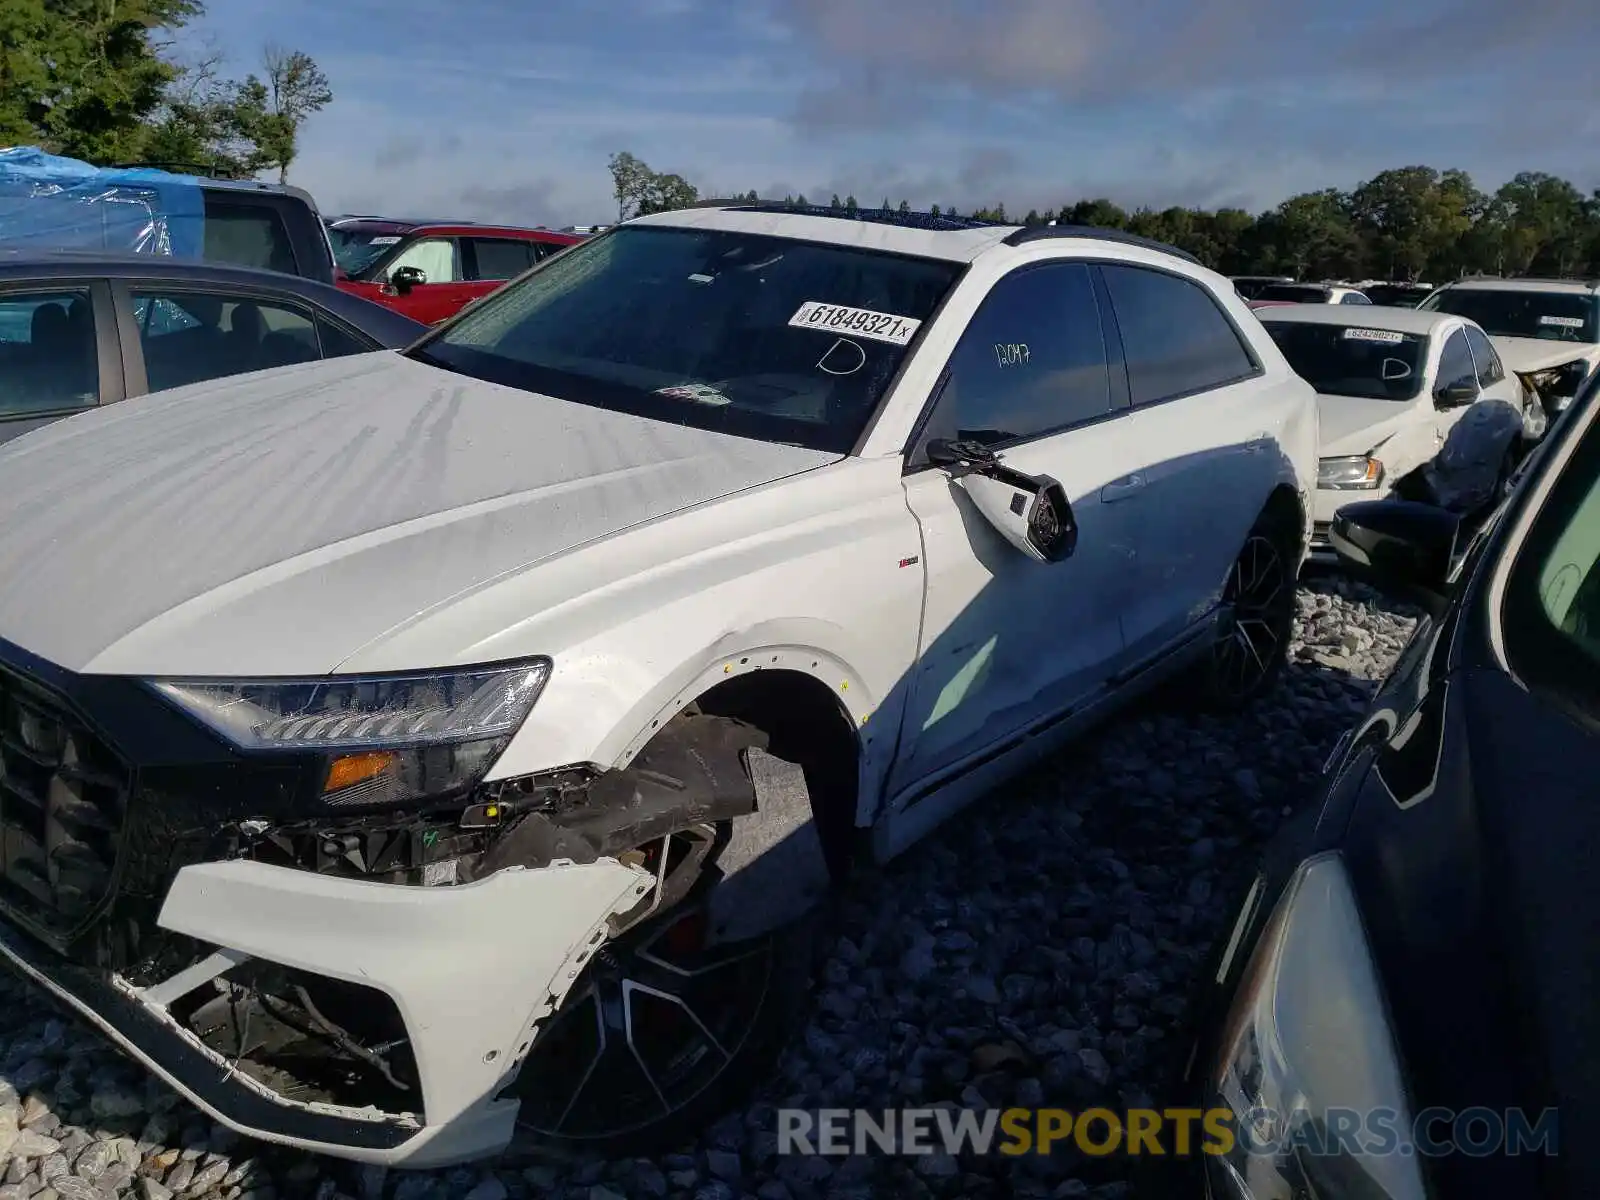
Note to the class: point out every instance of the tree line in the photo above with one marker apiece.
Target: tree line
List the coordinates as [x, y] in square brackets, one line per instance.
[1408, 223]
[102, 82]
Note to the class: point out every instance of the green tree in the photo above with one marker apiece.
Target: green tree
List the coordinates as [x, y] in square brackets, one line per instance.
[1544, 223]
[630, 181]
[271, 112]
[81, 77]
[663, 193]
[1099, 212]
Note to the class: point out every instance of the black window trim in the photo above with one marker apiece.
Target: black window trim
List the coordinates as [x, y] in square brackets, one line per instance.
[110, 360]
[1111, 330]
[1477, 370]
[138, 382]
[914, 453]
[1257, 368]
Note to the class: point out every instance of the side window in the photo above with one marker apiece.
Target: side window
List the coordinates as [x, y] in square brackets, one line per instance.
[1175, 337]
[190, 337]
[500, 258]
[338, 341]
[48, 358]
[1354, 298]
[248, 235]
[436, 258]
[1490, 369]
[1033, 359]
[1455, 362]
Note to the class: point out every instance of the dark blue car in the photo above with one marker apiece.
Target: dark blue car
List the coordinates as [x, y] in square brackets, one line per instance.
[1407, 1004]
[83, 329]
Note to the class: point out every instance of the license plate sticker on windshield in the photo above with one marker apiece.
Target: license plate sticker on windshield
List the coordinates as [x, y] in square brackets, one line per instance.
[1387, 336]
[384, 241]
[858, 322]
[1564, 322]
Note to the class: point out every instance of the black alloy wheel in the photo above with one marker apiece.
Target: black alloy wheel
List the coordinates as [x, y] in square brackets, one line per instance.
[1257, 619]
[662, 1032]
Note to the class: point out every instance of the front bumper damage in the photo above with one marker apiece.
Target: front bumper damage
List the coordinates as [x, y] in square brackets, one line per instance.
[361, 984]
[472, 971]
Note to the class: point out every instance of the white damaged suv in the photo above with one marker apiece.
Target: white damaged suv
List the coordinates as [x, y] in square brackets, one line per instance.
[419, 754]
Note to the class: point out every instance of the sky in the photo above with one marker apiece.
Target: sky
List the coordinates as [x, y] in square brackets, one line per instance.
[505, 110]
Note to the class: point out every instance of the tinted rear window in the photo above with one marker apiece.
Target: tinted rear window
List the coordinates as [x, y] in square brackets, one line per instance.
[248, 235]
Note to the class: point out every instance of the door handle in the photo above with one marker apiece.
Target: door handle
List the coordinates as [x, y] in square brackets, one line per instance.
[1121, 489]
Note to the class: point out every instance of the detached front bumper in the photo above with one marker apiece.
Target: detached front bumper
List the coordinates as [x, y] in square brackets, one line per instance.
[472, 970]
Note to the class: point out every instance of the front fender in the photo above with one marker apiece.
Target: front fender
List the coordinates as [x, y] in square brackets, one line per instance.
[809, 647]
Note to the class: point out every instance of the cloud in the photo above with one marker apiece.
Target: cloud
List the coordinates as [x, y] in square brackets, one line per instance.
[528, 203]
[1102, 51]
[1035, 103]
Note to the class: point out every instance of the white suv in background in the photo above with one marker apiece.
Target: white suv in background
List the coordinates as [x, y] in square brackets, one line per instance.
[1546, 330]
[414, 753]
[1393, 384]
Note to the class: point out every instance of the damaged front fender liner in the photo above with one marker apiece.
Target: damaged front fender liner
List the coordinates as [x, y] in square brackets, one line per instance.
[695, 771]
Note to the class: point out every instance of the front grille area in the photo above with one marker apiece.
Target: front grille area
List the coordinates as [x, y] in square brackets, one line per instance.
[63, 800]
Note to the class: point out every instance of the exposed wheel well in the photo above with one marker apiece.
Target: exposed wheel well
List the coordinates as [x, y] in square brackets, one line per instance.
[1285, 511]
[1284, 505]
[805, 724]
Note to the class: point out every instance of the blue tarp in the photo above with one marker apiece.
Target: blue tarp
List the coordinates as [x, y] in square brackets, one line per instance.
[48, 202]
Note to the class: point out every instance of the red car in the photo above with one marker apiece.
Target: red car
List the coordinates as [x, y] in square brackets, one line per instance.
[430, 270]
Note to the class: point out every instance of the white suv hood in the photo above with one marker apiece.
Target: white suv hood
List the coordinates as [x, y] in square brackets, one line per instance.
[1524, 355]
[1350, 425]
[274, 523]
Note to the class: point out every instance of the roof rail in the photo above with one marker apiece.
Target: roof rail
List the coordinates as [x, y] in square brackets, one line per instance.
[209, 171]
[879, 216]
[1580, 280]
[1036, 233]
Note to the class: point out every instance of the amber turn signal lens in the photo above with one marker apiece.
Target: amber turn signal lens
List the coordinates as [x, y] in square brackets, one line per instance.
[351, 769]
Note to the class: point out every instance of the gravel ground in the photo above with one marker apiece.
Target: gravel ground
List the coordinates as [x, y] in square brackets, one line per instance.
[1035, 951]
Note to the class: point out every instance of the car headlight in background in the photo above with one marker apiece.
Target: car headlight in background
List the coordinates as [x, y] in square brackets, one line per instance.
[1352, 472]
[387, 738]
[1308, 1032]
[1561, 383]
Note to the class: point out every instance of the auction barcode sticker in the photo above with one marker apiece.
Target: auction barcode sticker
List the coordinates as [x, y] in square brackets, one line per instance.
[1387, 336]
[1564, 322]
[862, 322]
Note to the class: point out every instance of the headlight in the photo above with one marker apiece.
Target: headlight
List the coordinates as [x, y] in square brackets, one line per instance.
[1308, 1034]
[1352, 472]
[388, 738]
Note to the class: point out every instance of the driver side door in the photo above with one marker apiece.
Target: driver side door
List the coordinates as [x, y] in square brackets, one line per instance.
[446, 289]
[1007, 642]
